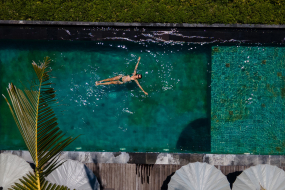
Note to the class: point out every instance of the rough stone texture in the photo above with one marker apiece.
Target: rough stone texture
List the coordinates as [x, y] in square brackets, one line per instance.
[163, 158]
[137, 158]
[219, 159]
[282, 161]
[196, 158]
[123, 24]
[275, 160]
[263, 159]
[214, 159]
[229, 159]
[184, 159]
[246, 160]
[151, 158]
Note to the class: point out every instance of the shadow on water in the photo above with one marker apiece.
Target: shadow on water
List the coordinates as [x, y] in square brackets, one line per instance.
[166, 181]
[123, 87]
[232, 177]
[196, 136]
[91, 179]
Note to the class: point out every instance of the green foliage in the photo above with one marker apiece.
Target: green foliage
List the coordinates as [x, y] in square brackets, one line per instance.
[29, 182]
[36, 121]
[146, 11]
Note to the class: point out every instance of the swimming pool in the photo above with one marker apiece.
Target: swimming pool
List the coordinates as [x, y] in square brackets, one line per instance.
[207, 93]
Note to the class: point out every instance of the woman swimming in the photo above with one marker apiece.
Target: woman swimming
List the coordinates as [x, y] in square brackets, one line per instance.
[120, 79]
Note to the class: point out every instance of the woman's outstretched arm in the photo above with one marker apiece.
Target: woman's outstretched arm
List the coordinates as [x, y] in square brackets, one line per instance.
[135, 71]
[141, 87]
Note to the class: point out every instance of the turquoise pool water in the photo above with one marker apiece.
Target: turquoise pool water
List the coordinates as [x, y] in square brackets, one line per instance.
[118, 118]
[202, 98]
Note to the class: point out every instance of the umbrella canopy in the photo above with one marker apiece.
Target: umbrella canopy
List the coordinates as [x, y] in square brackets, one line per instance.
[74, 175]
[198, 176]
[262, 176]
[12, 168]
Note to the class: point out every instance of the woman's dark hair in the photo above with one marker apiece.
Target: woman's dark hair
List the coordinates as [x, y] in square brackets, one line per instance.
[140, 76]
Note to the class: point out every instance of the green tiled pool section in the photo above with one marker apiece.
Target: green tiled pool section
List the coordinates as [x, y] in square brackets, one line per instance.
[174, 117]
[248, 100]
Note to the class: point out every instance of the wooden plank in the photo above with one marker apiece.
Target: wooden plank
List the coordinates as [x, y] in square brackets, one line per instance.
[113, 175]
[240, 168]
[232, 169]
[108, 175]
[148, 177]
[101, 175]
[142, 187]
[128, 177]
[140, 178]
[152, 178]
[137, 176]
[223, 169]
[143, 169]
[147, 168]
[123, 183]
[119, 179]
[147, 180]
[227, 170]
[170, 171]
[133, 178]
[103, 182]
[166, 175]
[156, 176]
[162, 174]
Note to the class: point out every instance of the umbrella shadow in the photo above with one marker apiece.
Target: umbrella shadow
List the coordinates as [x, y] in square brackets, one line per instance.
[33, 166]
[90, 175]
[232, 177]
[166, 181]
[196, 136]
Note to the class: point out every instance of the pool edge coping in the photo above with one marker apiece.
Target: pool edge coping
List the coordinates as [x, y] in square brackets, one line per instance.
[136, 24]
[162, 158]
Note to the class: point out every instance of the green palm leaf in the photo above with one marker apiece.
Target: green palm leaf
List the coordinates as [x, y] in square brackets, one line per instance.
[37, 123]
[29, 183]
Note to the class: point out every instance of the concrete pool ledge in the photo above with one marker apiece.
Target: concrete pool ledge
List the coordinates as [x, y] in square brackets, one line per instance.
[163, 158]
[123, 24]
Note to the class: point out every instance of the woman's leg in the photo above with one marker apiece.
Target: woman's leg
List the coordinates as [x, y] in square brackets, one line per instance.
[107, 83]
[112, 79]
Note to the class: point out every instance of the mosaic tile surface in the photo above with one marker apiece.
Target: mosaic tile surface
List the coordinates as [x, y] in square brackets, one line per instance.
[248, 100]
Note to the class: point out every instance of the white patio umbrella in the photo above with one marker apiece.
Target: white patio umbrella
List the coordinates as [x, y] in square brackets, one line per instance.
[262, 176]
[12, 168]
[74, 175]
[198, 176]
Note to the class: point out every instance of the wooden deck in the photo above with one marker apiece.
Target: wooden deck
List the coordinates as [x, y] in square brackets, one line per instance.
[143, 176]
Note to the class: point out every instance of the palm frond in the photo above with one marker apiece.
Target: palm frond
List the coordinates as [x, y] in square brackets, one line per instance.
[29, 182]
[37, 123]
[261, 188]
